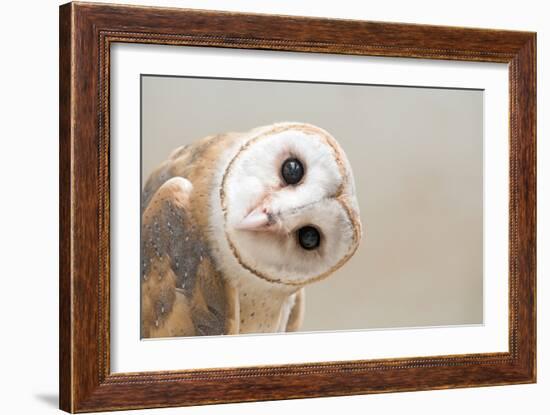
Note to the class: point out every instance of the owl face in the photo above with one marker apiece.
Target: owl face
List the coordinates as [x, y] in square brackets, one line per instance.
[288, 202]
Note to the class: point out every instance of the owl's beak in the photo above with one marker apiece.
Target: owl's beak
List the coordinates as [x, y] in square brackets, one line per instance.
[257, 220]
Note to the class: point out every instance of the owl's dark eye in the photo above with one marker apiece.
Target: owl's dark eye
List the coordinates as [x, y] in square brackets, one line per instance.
[292, 171]
[309, 237]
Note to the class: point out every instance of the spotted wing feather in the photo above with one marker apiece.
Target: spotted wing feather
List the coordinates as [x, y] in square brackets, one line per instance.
[182, 294]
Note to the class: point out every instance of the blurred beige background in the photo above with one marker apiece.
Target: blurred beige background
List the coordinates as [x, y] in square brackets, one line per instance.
[417, 157]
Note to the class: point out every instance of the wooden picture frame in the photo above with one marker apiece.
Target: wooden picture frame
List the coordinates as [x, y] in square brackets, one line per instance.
[86, 33]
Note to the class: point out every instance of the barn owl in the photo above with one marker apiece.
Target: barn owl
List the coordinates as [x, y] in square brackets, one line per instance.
[235, 225]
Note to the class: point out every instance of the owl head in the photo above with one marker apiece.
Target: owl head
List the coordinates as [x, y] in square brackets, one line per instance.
[290, 214]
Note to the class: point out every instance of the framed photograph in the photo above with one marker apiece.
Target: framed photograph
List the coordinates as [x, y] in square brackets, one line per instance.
[258, 207]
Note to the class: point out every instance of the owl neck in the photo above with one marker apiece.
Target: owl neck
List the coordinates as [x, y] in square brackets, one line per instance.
[264, 306]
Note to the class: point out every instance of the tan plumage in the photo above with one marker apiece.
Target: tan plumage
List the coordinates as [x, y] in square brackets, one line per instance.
[196, 278]
[182, 293]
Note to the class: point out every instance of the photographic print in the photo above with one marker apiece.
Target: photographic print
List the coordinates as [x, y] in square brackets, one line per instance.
[281, 206]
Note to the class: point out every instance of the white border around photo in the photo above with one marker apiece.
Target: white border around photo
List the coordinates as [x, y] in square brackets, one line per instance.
[130, 354]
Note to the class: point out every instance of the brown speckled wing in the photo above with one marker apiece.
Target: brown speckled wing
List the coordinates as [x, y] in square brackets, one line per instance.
[182, 294]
